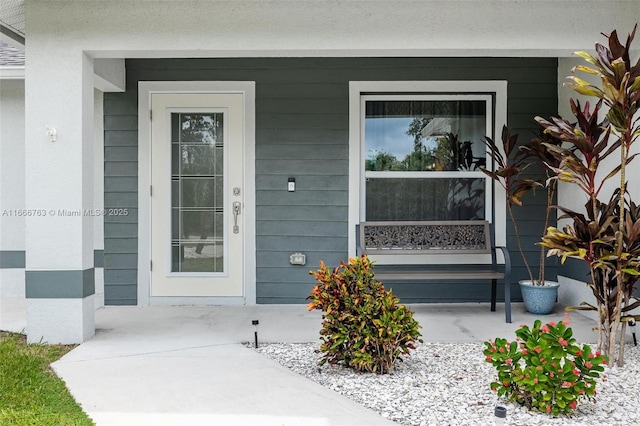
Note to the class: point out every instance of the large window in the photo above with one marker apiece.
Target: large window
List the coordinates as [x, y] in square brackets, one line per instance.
[421, 156]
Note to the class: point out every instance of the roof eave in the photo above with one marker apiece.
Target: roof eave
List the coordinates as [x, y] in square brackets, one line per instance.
[11, 37]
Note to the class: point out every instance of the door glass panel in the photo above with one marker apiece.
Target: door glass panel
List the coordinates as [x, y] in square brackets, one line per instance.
[197, 192]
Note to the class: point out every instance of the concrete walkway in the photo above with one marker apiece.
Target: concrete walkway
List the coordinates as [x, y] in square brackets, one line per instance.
[187, 365]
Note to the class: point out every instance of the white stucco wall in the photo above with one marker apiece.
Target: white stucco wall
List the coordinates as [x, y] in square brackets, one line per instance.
[98, 191]
[59, 93]
[108, 28]
[11, 182]
[59, 175]
[64, 313]
[11, 163]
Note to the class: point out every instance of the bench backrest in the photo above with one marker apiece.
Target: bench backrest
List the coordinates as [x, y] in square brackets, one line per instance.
[432, 237]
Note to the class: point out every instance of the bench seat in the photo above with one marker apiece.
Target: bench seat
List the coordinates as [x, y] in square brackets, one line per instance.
[433, 238]
[438, 275]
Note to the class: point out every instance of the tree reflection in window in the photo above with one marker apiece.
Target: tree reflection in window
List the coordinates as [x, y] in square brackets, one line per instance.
[424, 136]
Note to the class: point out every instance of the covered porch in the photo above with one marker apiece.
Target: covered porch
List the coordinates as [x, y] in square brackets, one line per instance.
[179, 365]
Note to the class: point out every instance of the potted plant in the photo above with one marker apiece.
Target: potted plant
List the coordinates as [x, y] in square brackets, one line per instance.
[539, 295]
[607, 234]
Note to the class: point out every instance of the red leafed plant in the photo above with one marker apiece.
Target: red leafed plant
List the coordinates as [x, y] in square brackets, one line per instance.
[363, 326]
[607, 234]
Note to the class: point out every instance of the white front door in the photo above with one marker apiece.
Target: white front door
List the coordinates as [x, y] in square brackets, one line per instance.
[197, 197]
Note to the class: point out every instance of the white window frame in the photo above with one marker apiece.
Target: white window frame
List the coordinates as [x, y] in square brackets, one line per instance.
[359, 91]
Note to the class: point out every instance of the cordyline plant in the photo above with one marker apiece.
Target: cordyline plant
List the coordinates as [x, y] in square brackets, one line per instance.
[607, 235]
[536, 150]
[363, 326]
[509, 173]
[544, 368]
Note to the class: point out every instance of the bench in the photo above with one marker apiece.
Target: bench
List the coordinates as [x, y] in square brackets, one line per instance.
[436, 238]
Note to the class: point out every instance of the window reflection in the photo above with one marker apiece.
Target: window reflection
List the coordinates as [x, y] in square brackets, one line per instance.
[423, 137]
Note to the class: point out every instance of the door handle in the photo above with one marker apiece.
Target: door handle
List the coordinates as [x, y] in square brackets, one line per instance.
[237, 207]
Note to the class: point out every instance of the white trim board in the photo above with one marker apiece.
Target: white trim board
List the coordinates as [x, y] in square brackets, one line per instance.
[359, 88]
[144, 181]
[12, 73]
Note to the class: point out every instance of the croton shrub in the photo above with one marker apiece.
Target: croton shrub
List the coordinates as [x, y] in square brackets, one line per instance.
[363, 325]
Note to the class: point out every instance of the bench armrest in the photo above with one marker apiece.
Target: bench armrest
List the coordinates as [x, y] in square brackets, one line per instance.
[507, 258]
[507, 279]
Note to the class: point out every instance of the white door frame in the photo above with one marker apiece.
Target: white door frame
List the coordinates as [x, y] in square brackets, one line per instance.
[145, 89]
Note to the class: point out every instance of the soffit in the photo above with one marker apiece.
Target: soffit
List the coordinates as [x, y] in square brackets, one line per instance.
[12, 18]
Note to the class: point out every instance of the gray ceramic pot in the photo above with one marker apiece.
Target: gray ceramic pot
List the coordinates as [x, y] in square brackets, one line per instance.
[539, 299]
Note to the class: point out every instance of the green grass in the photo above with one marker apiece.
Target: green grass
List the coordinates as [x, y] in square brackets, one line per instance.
[30, 392]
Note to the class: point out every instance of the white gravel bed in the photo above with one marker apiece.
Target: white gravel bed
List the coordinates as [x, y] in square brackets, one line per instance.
[448, 384]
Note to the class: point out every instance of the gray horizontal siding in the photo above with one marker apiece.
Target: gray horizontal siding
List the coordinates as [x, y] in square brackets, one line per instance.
[268, 259]
[120, 122]
[121, 153]
[301, 197]
[303, 213]
[120, 230]
[302, 243]
[113, 183]
[578, 270]
[116, 245]
[121, 137]
[302, 131]
[98, 258]
[121, 168]
[575, 269]
[296, 228]
[121, 294]
[121, 191]
[449, 291]
[304, 136]
[303, 183]
[325, 151]
[313, 167]
[427, 292]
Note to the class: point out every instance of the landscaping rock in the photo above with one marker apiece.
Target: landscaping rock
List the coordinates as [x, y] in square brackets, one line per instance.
[448, 384]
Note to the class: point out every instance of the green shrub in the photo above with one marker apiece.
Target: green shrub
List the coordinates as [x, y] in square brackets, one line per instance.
[363, 326]
[545, 368]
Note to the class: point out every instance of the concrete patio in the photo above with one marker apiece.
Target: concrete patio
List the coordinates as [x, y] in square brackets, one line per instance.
[187, 365]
